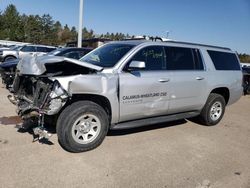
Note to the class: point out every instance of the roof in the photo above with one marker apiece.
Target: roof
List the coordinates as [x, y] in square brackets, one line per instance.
[138, 42]
[38, 45]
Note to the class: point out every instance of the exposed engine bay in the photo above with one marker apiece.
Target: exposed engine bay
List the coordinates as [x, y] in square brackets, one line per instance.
[42, 93]
[37, 93]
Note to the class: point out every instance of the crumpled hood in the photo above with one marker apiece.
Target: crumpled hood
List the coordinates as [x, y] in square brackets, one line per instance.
[36, 65]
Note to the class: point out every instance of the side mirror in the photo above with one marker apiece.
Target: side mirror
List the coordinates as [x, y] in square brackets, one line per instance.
[137, 65]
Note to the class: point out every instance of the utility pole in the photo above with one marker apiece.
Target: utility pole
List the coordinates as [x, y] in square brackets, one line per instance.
[79, 44]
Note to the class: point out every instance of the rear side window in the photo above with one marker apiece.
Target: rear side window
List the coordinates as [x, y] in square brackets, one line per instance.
[41, 49]
[224, 60]
[49, 49]
[179, 58]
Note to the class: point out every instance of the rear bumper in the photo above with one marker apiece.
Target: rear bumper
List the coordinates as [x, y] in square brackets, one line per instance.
[235, 95]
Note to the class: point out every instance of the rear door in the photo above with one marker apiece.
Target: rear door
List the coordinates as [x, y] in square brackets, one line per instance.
[145, 93]
[188, 79]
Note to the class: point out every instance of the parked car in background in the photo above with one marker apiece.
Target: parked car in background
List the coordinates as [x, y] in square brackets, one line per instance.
[70, 52]
[8, 68]
[22, 51]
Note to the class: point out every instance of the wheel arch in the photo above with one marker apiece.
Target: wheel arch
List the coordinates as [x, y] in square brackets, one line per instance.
[10, 56]
[98, 99]
[223, 91]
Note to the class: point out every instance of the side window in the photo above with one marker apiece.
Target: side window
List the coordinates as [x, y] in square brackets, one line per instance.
[224, 60]
[153, 57]
[28, 49]
[72, 54]
[83, 53]
[41, 49]
[179, 58]
[50, 49]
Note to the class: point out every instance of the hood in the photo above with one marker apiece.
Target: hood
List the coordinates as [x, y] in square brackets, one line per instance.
[36, 65]
[8, 50]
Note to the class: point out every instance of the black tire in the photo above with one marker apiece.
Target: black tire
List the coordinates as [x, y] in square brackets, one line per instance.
[67, 121]
[206, 113]
[9, 58]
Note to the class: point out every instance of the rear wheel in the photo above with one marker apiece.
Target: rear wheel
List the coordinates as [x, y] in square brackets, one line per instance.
[82, 126]
[213, 110]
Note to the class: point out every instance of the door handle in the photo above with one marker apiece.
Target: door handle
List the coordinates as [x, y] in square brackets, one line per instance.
[199, 78]
[163, 80]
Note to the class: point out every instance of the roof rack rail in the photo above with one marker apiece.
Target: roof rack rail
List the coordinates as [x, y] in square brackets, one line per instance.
[205, 45]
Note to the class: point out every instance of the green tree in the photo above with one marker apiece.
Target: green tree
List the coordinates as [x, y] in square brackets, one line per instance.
[66, 35]
[33, 27]
[11, 23]
[1, 25]
[49, 35]
[73, 33]
[244, 58]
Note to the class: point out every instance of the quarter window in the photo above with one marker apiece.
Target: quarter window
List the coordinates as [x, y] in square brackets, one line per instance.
[224, 60]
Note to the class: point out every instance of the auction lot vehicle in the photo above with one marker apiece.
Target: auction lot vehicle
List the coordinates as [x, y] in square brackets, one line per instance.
[22, 51]
[127, 84]
[70, 52]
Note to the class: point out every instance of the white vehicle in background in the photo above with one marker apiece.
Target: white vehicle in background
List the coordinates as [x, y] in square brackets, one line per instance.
[25, 50]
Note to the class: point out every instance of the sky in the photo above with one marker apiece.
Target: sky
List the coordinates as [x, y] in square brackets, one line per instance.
[216, 22]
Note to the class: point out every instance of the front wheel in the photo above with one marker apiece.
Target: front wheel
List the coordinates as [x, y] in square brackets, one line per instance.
[82, 126]
[213, 110]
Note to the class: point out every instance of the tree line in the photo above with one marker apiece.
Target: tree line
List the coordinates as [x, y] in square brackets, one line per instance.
[244, 58]
[42, 29]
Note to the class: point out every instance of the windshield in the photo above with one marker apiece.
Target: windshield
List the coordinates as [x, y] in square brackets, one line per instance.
[55, 52]
[16, 48]
[107, 55]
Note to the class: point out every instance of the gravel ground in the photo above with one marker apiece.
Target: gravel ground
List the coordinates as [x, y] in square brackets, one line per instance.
[179, 154]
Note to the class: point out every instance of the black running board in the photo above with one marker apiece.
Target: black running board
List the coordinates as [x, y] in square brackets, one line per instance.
[153, 120]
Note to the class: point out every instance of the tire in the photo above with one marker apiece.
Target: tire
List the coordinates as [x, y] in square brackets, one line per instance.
[82, 126]
[9, 58]
[213, 110]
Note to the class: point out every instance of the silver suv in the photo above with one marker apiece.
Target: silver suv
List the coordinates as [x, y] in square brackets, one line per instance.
[126, 84]
[22, 51]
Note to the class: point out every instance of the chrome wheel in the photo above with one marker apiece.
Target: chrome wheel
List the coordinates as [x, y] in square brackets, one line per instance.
[216, 111]
[86, 128]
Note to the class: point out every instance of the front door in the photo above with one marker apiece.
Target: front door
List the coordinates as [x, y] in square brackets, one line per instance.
[145, 93]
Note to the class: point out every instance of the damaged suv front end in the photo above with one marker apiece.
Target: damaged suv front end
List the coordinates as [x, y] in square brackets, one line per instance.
[81, 97]
[37, 91]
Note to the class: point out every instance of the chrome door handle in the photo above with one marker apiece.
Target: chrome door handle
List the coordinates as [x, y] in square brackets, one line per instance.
[163, 80]
[199, 78]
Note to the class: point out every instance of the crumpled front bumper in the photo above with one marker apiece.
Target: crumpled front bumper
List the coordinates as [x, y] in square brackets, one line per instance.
[48, 98]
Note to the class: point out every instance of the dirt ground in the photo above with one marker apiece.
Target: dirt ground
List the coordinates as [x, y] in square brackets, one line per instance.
[179, 154]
